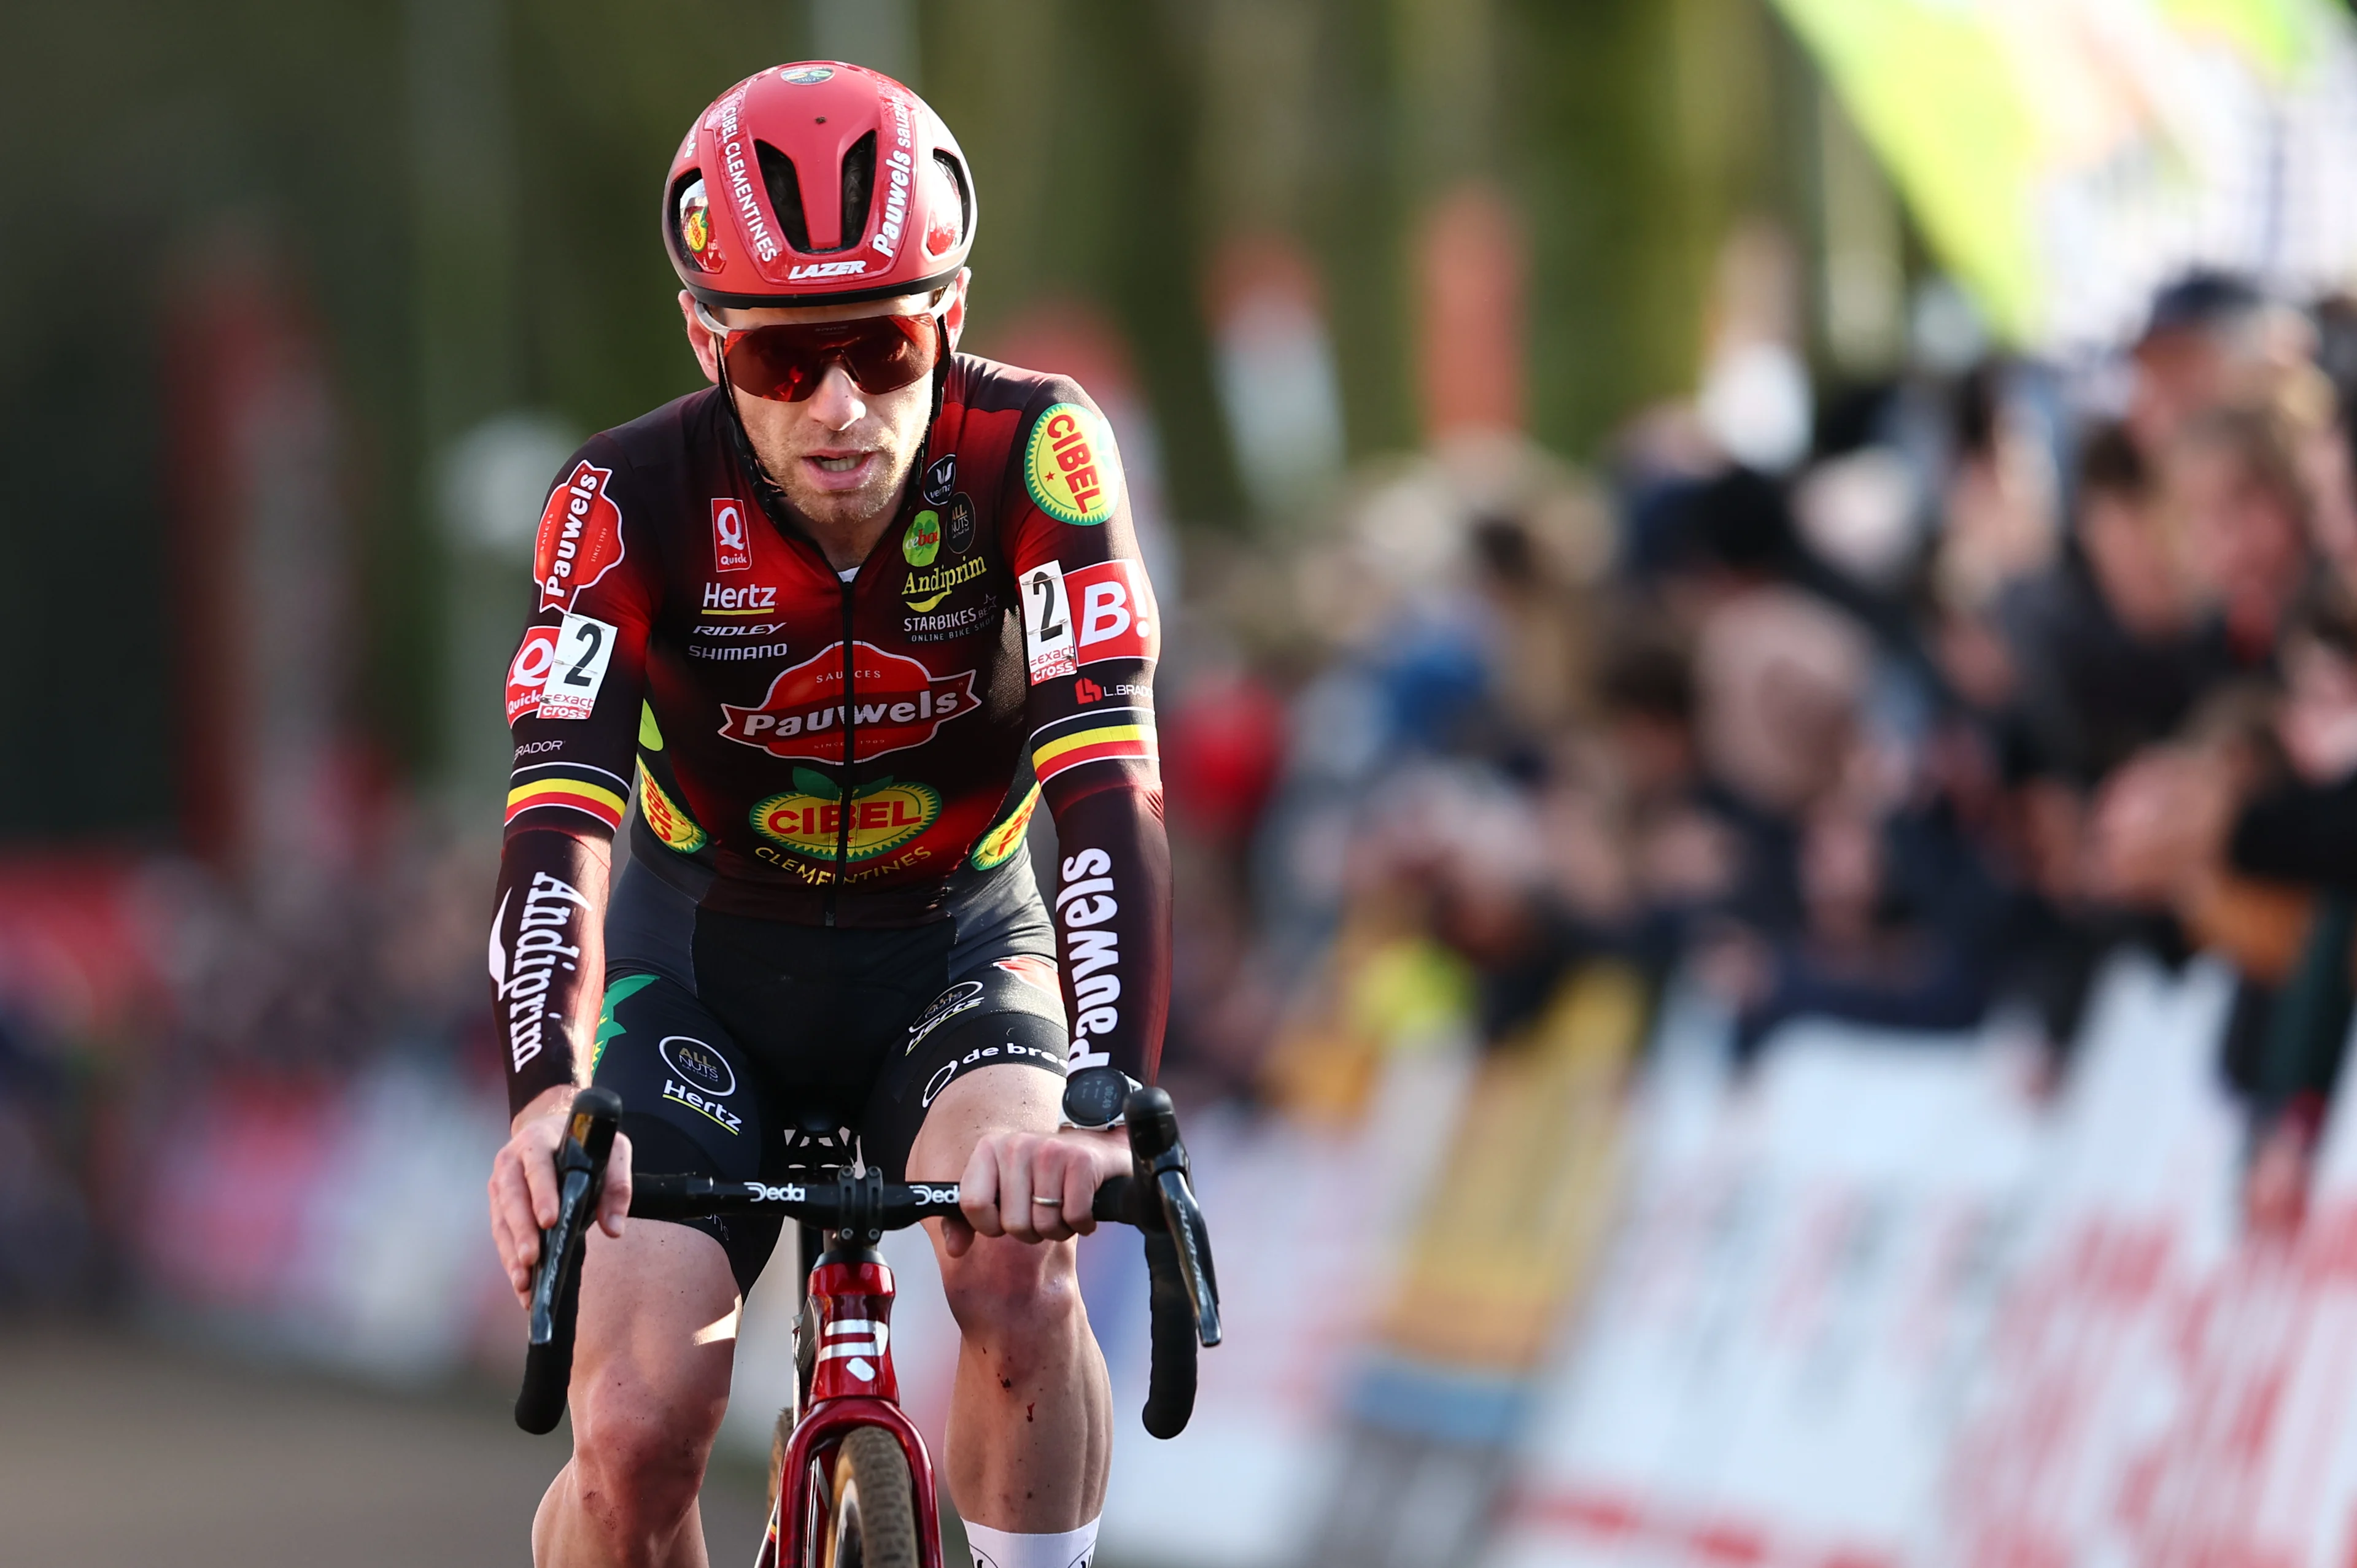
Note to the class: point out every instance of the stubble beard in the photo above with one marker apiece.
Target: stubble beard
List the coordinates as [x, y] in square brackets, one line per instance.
[844, 509]
[835, 510]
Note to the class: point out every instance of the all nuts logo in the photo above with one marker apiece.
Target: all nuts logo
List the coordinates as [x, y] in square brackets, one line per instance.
[897, 704]
[809, 818]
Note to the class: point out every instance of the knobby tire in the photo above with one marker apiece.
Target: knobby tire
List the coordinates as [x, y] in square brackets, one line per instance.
[871, 1518]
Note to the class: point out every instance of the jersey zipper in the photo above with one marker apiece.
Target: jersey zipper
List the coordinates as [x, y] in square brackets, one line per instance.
[845, 804]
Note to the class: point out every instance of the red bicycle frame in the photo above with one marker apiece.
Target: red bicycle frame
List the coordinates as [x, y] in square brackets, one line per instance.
[853, 1385]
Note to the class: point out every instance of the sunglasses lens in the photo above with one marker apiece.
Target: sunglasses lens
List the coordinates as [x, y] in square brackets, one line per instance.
[786, 363]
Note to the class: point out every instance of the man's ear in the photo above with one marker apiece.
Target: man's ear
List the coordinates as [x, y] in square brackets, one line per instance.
[708, 353]
[955, 317]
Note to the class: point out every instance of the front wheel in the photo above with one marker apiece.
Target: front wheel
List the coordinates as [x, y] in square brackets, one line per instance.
[871, 1518]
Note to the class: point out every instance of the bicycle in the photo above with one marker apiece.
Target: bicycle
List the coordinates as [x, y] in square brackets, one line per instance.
[851, 1483]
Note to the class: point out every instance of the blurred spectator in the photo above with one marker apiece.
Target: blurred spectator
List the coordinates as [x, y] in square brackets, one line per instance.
[2234, 478]
[2106, 641]
[1918, 730]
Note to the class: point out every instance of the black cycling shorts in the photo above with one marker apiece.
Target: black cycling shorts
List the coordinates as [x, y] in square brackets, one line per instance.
[724, 1035]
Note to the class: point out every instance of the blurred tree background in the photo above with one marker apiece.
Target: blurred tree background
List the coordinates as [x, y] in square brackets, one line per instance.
[459, 196]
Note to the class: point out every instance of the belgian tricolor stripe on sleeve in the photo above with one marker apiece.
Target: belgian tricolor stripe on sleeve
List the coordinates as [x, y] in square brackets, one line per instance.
[1112, 734]
[576, 786]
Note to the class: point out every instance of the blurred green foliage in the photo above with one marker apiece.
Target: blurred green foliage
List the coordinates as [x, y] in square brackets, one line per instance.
[464, 193]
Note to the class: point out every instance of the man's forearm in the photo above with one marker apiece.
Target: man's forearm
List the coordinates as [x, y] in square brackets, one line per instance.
[547, 960]
[1111, 906]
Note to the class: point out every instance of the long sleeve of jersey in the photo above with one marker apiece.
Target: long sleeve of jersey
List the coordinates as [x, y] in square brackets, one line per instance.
[1092, 635]
[573, 691]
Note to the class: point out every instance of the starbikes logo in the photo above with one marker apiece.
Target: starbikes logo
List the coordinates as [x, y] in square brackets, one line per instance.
[580, 537]
[810, 817]
[899, 704]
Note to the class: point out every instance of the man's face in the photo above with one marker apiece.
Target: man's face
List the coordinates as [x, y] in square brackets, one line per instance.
[842, 455]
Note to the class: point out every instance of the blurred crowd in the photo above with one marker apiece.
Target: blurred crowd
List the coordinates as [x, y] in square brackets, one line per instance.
[2016, 663]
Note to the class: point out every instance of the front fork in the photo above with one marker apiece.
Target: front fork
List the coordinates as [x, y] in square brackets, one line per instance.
[853, 1385]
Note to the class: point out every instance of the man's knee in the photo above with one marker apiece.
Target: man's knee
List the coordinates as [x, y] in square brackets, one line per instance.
[1004, 1287]
[639, 1455]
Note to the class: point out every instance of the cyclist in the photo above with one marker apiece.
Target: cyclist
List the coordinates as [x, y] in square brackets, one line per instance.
[826, 622]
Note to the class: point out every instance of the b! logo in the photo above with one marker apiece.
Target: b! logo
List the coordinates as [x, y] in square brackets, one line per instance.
[732, 549]
[699, 1064]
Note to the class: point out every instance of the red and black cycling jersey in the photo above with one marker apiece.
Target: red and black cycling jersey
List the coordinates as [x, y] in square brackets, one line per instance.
[836, 750]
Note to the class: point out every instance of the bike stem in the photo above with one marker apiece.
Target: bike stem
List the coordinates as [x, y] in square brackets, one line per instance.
[853, 1385]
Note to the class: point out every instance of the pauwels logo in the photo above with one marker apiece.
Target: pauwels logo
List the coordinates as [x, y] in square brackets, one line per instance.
[580, 537]
[899, 704]
[523, 974]
[1084, 903]
[732, 549]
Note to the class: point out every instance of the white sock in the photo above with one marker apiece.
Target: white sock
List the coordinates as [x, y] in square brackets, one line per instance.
[1005, 1548]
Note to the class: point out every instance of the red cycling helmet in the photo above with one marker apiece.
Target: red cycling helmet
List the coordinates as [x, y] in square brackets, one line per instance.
[817, 183]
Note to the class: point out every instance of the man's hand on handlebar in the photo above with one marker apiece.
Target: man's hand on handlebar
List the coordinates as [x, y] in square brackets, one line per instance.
[523, 1185]
[1011, 1178]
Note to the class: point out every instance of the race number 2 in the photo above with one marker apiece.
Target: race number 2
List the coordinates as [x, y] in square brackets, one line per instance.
[1048, 623]
[582, 648]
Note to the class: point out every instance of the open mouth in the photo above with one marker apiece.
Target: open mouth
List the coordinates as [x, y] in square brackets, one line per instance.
[837, 470]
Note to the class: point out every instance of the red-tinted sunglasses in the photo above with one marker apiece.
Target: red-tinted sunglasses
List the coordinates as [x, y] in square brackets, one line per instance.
[785, 363]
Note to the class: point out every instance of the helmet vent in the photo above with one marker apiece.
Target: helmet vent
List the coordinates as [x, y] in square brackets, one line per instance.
[785, 195]
[956, 173]
[785, 187]
[859, 188]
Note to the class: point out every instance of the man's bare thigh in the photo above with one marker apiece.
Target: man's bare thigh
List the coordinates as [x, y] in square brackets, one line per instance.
[658, 1326]
[990, 1099]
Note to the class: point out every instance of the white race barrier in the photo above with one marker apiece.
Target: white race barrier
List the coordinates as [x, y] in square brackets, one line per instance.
[1879, 1309]
[1305, 1225]
[1804, 1270]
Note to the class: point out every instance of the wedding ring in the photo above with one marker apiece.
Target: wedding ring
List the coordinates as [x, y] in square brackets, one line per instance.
[1050, 1202]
